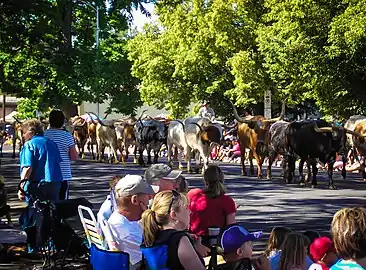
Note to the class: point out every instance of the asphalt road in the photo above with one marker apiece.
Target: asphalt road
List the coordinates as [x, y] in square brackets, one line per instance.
[264, 204]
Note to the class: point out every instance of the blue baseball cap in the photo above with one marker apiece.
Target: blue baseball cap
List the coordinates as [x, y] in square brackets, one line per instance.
[235, 236]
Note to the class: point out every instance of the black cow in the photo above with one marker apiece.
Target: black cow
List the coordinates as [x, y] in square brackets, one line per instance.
[315, 141]
[150, 135]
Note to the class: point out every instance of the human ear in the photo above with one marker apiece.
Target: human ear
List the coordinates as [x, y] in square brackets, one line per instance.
[134, 200]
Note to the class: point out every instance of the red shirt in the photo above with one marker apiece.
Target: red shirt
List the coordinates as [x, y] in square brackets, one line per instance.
[206, 212]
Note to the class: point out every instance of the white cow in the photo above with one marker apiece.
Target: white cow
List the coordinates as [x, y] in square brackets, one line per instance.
[177, 138]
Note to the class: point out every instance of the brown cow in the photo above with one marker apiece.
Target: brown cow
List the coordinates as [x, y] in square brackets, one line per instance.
[253, 134]
[80, 133]
[359, 143]
[18, 135]
[92, 139]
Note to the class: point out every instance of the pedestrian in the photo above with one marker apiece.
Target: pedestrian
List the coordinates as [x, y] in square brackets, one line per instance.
[39, 164]
[66, 145]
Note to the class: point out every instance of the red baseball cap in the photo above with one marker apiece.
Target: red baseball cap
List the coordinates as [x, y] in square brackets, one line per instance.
[320, 247]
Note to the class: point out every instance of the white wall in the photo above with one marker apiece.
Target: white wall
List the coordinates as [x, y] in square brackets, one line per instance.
[92, 107]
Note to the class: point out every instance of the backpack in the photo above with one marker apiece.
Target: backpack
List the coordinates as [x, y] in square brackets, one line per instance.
[157, 256]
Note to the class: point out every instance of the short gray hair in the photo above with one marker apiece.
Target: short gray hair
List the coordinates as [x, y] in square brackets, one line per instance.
[34, 126]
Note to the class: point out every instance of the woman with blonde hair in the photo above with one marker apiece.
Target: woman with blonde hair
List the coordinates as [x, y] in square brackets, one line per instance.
[293, 254]
[211, 207]
[349, 237]
[166, 243]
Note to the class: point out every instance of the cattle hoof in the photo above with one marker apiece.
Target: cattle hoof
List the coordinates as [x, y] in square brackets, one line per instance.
[314, 186]
[197, 170]
[180, 167]
[13, 156]
[260, 176]
[269, 177]
[135, 161]
[302, 184]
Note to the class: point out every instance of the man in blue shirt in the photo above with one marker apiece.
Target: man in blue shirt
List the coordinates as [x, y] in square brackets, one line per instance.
[39, 163]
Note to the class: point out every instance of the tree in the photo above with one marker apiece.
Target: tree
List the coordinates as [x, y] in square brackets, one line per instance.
[48, 51]
[307, 50]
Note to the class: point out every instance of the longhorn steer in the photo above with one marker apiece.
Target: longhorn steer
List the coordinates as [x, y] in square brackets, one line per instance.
[106, 136]
[125, 137]
[150, 135]
[80, 133]
[200, 134]
[316, 140]
[17, 135]
[351, 124]
[176, 137]
[360, 145]
[253, 134]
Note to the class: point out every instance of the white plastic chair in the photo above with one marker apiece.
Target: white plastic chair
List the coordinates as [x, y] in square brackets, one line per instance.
[90, 225]
[108, 236]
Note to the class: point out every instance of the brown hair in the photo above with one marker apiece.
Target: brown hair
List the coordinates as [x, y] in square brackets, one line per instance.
[276, 239]
[214, 178]
[349, 232]
[293, 252]
[115, 180]
[153, 219]
[34, 126]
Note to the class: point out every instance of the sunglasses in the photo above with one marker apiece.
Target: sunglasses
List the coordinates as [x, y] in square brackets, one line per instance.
[175, 197]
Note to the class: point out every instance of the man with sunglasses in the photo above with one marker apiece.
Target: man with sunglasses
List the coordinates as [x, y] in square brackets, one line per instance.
[132, 194]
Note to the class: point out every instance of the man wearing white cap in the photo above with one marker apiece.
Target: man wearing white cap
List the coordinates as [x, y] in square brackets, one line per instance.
[206, 111]
[132, 194]
[163, 176]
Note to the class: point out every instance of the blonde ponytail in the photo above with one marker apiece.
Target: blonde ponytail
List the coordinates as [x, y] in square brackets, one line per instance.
[151, 227]
[154, 219]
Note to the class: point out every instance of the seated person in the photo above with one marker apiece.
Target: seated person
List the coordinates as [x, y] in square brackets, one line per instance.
[167, 244]
[206, 204]
[349, 235]
[235, 151]
[275, 241]
[182, 184]
[132, 194]
[323, 253]
[236, 245]
[110, 204]
[310, 236]
[292, 255]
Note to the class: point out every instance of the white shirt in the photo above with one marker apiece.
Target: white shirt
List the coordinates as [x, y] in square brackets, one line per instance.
[105, 210]
[128, 235]
[206, 112]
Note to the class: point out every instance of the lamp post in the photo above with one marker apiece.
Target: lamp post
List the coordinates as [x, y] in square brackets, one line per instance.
[96, 9]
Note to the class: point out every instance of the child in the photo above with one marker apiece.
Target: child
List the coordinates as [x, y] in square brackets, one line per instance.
[323, 252]
[236, 244]
[4, 207]
[275, 241]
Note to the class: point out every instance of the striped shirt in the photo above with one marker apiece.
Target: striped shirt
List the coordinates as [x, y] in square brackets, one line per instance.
[64, 142]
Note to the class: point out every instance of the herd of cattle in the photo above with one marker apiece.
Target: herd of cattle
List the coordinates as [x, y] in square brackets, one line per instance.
[310, 141]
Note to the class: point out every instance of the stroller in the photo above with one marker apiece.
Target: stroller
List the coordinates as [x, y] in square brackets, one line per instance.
[44, 222]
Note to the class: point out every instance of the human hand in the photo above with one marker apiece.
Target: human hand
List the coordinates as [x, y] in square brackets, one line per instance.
[261, 263]
[201, 249]
[21, 196]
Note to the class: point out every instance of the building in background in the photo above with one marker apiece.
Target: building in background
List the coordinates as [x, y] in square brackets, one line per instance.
[92, 107]
[10, 105]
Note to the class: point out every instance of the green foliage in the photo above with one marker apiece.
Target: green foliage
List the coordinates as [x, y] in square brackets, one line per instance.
[48, 52]
[307, 50]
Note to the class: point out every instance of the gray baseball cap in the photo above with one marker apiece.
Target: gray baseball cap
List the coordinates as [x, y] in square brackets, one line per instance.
[157, 171]
[133, 185]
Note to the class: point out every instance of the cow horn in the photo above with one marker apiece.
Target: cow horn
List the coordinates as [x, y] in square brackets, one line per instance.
[84, 121]
[322, 129]
[237, 117]
[139, 119]
[354, 133]
[176, 120]
[99, 121]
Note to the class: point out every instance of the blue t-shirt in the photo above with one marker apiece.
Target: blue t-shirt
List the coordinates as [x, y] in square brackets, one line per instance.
[43, 156]
[275, 260]
[343, 265]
